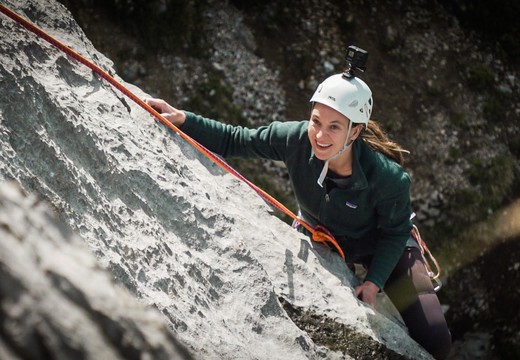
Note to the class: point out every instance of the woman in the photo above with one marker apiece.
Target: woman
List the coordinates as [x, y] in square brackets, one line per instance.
[346, 176]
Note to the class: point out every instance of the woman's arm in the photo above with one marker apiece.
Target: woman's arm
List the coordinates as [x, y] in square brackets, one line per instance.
[393, 210]
[269, 142]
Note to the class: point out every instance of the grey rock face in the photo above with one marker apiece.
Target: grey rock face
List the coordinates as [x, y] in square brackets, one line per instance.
[169, 225]
[57, 302]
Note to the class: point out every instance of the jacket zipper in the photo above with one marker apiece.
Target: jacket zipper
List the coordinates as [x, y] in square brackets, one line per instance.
[327, 198]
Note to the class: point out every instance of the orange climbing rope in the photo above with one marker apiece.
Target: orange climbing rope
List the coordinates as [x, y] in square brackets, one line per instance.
[319, 234]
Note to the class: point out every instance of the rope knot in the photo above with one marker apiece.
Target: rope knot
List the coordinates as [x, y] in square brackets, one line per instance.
[322, 235]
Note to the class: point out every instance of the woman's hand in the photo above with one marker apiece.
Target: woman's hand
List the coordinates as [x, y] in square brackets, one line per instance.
[367, 292]
[176, 117]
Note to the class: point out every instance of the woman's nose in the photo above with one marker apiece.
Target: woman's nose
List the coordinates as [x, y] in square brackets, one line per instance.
[319, 134]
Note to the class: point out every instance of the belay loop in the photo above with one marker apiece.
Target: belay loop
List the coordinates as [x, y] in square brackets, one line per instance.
[324, 236]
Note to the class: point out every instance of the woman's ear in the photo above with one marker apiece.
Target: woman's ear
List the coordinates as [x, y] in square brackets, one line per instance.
[356, 131]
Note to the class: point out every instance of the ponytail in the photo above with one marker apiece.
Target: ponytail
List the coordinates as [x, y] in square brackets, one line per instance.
[379, 141]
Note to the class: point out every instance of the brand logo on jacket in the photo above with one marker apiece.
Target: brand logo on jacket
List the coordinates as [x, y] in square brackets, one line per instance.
[350, 205]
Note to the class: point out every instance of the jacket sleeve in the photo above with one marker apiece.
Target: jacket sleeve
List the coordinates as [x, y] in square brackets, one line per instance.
[269, 142]
[394, 226]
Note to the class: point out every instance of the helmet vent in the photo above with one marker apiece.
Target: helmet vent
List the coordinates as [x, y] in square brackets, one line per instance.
[354, 103]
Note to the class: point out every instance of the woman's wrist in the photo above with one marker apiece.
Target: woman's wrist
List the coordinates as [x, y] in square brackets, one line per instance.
[371, 286]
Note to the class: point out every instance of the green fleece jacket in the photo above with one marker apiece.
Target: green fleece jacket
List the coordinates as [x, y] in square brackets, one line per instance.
[370, 217]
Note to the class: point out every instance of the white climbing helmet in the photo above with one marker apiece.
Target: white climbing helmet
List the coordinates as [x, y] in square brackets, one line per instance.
[350, 96]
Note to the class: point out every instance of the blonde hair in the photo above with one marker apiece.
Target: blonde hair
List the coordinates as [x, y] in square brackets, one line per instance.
[379, 141]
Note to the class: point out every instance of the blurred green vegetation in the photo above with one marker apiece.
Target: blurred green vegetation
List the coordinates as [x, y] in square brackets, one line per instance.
[480, 78]
[491, 180]
[214, 99]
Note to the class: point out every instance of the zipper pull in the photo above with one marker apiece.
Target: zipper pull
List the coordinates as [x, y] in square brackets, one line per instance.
[326, 191]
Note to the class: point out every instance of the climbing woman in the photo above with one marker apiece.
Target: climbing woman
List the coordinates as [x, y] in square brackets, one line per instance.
[347, 176]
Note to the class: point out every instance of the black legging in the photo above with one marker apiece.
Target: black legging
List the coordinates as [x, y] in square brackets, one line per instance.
[411, 291]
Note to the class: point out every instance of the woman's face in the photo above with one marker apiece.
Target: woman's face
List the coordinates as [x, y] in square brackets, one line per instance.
[327, 131]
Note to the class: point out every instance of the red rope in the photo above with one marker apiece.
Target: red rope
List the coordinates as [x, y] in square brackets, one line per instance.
[318, 234]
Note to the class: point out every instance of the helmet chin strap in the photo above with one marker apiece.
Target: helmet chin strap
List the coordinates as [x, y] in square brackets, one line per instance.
[325, 169]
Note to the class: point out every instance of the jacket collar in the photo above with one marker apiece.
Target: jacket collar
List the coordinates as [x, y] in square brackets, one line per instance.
[358, 179]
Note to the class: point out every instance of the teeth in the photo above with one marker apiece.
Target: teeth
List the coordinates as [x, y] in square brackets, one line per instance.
[323, 145]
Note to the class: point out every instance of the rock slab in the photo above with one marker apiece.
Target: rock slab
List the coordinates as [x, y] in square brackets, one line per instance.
[57, 302]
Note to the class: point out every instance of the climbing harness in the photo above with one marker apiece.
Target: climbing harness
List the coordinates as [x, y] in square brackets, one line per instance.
[319, 234]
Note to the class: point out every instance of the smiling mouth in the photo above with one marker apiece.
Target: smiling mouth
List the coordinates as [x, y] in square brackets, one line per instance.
[323, 146]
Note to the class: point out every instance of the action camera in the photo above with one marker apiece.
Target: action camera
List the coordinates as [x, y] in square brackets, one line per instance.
[356, 60]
